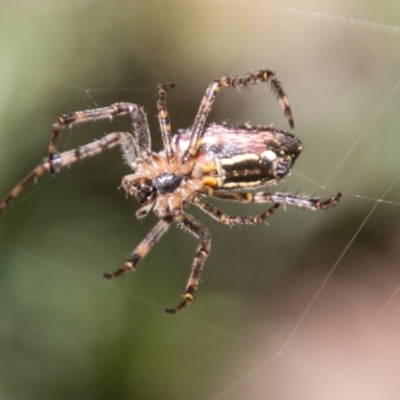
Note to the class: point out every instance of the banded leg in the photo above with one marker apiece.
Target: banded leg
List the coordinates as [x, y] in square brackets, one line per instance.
[139, 119]
[311, 203]
[219, 216]
[143, 248]
[213, 89]
[66, 159]
[163, 118]
[200, 232]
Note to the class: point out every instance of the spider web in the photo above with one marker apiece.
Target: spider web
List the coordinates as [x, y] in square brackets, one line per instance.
[304, 308]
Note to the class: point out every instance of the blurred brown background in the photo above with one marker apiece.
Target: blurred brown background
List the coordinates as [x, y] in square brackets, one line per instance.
[256, 329]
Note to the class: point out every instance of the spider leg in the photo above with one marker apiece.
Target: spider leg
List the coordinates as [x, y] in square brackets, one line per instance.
[66, 159]
[143, 248]
[219, 216]
[213, 89]
[163, 118]
[200, 232]
[312, 203]
[139, 120]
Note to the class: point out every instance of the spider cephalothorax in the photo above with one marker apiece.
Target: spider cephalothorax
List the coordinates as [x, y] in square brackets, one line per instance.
[217, 160]
[158, 185]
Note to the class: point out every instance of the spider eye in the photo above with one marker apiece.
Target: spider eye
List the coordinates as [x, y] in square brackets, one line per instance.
[145, 194]
[142, 189]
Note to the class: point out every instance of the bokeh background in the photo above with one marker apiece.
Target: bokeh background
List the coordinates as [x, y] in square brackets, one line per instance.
[304, 308]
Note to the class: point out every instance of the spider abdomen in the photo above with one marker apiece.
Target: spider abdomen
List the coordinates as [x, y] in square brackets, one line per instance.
[237, 157]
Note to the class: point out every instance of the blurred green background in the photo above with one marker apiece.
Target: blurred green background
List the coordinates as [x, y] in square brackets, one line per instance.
[65, 333]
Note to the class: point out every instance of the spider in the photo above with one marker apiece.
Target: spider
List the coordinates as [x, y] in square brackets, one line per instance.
[206, 160]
